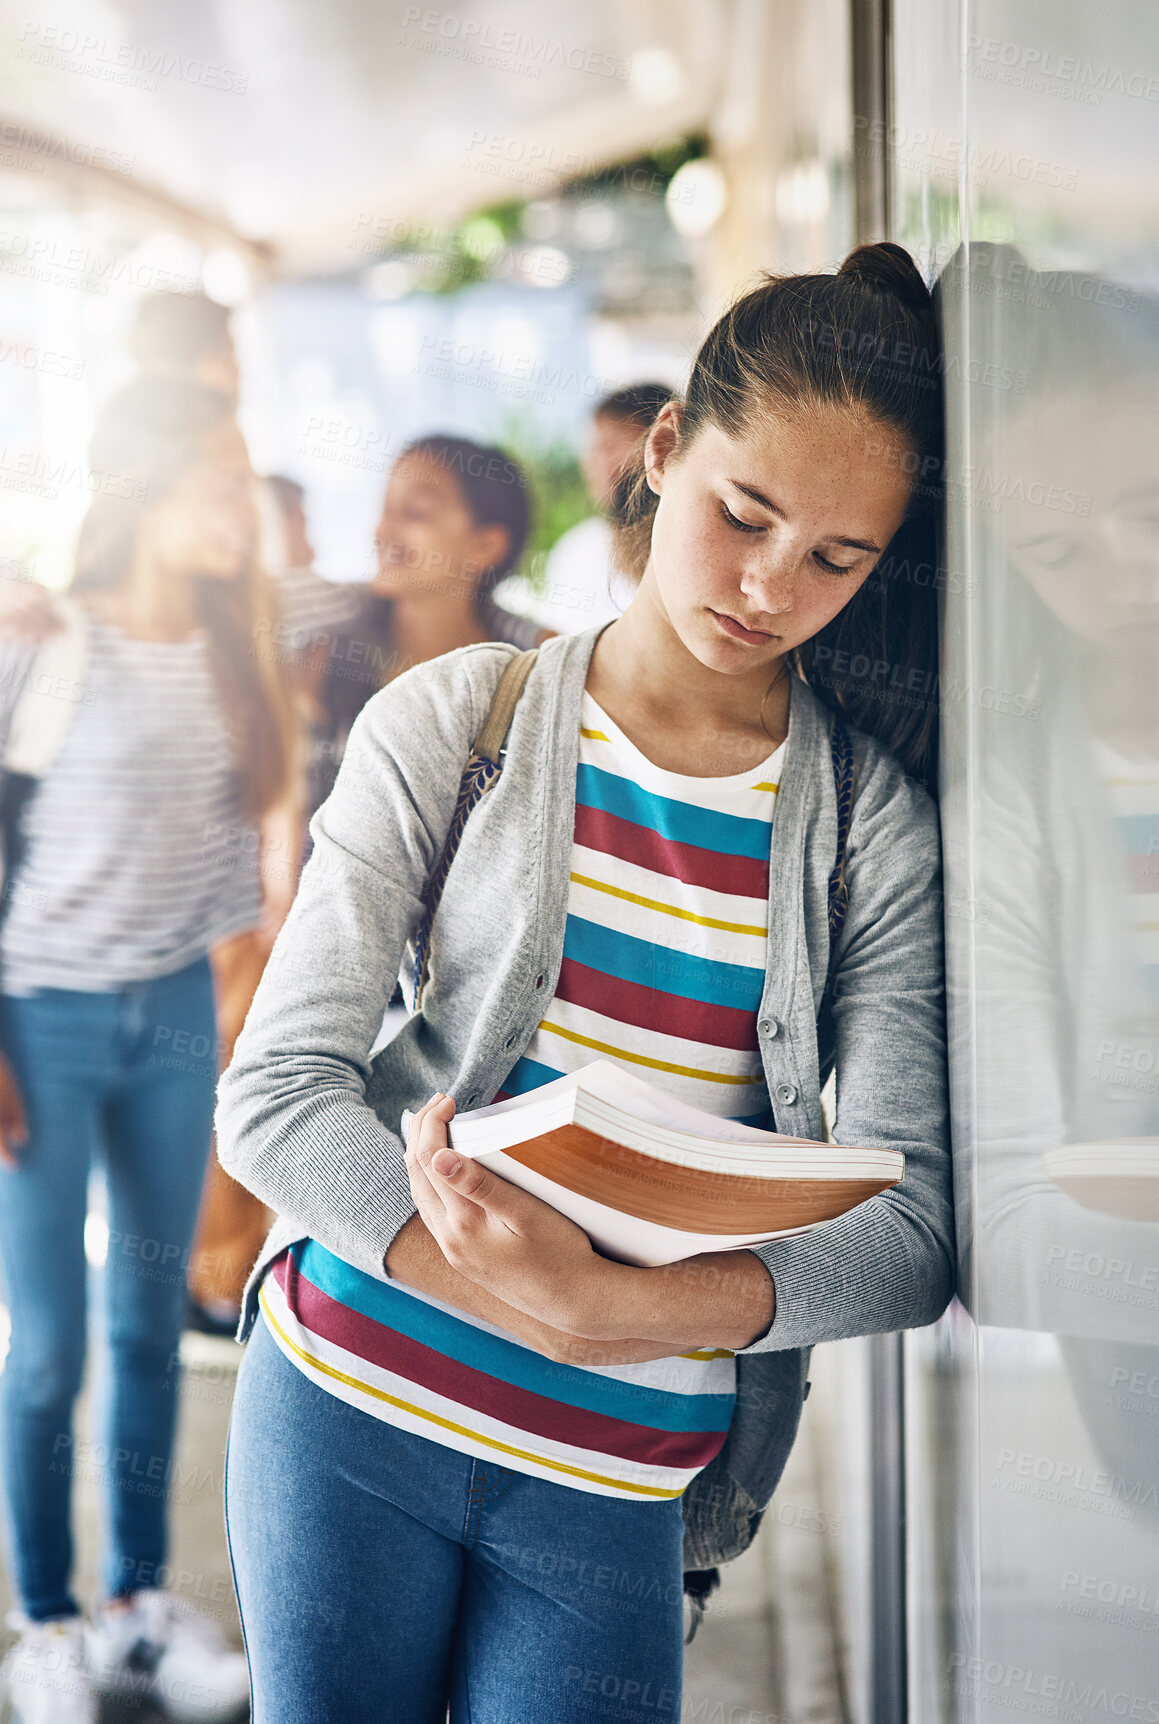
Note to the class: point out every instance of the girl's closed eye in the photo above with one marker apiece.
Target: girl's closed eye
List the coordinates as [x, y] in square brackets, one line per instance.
[833, 568]
[741, 526]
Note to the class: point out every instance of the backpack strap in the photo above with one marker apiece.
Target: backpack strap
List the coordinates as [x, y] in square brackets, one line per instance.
[484, 764]
[841, 752]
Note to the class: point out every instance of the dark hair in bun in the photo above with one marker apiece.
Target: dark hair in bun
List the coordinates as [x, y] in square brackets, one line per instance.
[891, 269]
[865, 339]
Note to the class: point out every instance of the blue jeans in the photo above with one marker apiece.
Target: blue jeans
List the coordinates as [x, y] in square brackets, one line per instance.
[384, 1577]
[125, 1080]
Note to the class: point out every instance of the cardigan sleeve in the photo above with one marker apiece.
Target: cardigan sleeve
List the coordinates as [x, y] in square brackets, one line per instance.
[293, 1122]
[889, 1263]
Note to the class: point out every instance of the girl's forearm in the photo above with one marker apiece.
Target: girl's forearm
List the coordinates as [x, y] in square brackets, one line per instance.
[414, 1258]
[718, 1299]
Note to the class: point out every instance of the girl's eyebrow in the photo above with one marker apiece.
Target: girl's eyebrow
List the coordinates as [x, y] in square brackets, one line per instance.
[767, 503]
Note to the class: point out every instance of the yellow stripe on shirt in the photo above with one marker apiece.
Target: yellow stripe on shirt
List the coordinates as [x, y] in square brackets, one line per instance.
[669, 909]
[644, 1060]
[366, 1388]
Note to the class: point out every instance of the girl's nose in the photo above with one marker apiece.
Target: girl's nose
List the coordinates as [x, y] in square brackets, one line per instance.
[770, 587]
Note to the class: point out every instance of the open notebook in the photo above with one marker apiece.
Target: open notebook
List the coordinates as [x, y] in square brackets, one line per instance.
[652, 1180]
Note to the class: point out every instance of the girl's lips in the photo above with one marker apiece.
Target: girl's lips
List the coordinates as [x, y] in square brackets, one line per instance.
[738, 630]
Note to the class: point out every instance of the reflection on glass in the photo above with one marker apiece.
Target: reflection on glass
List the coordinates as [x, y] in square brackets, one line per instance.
[1025, 173]
[1053, 917]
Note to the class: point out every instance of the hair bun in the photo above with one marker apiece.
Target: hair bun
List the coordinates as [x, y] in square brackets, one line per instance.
[890, 269]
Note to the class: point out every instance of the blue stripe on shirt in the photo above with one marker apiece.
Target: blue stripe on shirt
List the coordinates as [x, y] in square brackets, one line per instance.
[662, 1409]
[662, 968]
[681, 822]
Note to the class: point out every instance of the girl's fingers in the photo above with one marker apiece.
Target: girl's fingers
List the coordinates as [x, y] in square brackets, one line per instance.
[417, 1118]
[427, 1200]
[472, 1183]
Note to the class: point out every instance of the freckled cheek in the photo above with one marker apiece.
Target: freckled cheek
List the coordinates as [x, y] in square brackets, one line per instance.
[691, 560]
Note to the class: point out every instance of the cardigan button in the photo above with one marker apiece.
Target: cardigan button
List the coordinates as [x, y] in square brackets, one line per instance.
[769, 1027]
[786, 1092]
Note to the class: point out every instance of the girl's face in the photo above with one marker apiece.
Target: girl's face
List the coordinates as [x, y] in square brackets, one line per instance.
[207, 525]
[427, 541]
[1082, 523]
[759, 541]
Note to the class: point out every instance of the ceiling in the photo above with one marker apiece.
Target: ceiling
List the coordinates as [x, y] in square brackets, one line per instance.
[315, 131]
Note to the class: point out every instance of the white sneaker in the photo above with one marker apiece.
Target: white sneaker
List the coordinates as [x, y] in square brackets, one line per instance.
[159, 1648]
[44, 1676]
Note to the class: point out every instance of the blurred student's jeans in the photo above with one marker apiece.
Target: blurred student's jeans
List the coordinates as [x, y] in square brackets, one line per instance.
[381, 1575]
[124, 1080]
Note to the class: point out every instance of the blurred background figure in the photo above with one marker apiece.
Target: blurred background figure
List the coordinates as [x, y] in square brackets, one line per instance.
[185, 336]
[132, 888]
[582, 583]
[455, 518]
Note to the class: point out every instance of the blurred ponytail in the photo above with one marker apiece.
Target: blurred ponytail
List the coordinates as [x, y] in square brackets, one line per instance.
[864, 339]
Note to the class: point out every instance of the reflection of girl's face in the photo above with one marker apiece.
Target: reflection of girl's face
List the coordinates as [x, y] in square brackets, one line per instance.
[1081, 524]
[207, 525]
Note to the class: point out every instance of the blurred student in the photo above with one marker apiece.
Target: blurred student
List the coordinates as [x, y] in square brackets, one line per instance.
[583, 584]
[454, 523]
[185, 336]
[138, 858]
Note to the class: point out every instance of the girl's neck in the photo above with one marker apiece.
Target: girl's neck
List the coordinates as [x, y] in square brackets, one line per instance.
[681, 715]
[426, 627]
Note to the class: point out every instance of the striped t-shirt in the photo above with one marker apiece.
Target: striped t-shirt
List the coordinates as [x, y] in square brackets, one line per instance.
[139, 853]
[663, 969]
[1133, 790]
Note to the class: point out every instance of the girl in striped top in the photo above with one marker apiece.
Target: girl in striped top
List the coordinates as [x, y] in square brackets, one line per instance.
[139, 853]
[455, 1474]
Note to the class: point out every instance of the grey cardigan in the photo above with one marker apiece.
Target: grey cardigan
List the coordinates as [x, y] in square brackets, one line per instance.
[310, 1123]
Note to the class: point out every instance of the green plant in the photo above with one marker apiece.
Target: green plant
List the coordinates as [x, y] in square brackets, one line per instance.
[558, 491]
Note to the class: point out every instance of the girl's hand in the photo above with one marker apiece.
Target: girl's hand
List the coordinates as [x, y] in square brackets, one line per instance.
[13, 1125]
[513, 1244]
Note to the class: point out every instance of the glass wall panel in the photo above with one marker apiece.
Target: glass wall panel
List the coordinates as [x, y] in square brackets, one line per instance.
[1025, 146]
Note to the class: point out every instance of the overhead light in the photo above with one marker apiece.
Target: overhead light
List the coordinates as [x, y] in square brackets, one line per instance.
[595, 224]
[393, 279]
[542, 265]
[696, 197]
[802, 194]
[655, 76]
[225, 276]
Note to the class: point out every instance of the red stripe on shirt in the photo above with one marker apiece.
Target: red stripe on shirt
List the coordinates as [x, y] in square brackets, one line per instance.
[476, 1390]
[651, 1009]
[744, 876]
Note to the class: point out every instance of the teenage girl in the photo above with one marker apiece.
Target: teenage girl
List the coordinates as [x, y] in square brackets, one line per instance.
[461, 1438]
[140, 854]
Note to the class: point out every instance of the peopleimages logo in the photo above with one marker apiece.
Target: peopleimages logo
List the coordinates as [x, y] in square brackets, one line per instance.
[1031, 67]
[129, 63]
[481, 42]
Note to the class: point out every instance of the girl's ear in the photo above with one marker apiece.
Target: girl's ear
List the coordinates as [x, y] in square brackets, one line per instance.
[661, 444]
[490, 544]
